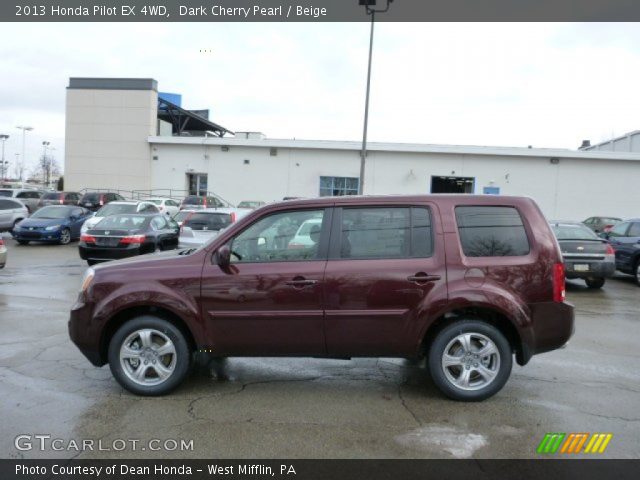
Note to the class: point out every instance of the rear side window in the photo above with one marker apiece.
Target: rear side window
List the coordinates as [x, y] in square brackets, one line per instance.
[634, 231]
[387, 232]
[491, 232]
[208, 221]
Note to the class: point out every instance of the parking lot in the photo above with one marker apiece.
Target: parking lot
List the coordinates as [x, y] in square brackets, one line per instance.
[307, 408]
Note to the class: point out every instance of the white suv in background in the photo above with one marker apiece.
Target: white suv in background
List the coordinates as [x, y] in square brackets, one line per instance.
[165, 205]
[12, 211]
[116, 208]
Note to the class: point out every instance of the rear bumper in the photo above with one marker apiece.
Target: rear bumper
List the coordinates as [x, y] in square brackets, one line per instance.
[553, 324]
[596, 268]
[99, 254]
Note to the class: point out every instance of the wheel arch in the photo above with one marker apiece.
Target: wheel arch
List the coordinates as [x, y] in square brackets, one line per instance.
[494, 317]
[123, 316]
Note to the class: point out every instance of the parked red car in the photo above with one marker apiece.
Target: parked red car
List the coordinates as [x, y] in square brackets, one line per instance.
[467, 281]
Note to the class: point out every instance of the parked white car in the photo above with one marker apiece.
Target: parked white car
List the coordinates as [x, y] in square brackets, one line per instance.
[307, 235]
[165, 205]
[117, 208]
[202, 225]
[12, 211]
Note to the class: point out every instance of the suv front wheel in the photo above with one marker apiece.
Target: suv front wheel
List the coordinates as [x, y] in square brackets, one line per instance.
[470, 360]
[149, 356]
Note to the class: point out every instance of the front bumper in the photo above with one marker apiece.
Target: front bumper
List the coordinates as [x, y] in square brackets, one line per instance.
[40, 235]
[83, 332]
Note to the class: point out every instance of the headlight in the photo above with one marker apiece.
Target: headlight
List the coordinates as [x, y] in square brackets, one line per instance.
[52, 228]
[87, 279]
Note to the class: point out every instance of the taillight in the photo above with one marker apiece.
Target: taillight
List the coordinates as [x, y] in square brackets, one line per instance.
[558, 283]
[101, 200]
[233, 217]
[610, 250]
[61, 200]
[132, 239]
[204, 202]
[1, 242]
[87, 238]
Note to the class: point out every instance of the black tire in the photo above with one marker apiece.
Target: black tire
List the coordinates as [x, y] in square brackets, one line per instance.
[502, 366]
[13, 227]
[636, 272]
[65, 236]
[23, 242]
[163, 327]
[594, 282]
[91, 262]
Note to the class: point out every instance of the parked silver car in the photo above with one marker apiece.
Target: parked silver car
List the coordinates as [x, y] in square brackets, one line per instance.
[12, 211]
[3, 253]
[29, 197]
[202, 225]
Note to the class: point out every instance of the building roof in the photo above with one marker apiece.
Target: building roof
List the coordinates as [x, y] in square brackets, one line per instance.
[399, 147]
[611, 141]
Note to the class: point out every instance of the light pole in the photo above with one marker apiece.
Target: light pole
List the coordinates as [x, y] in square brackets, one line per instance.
[371, 10]
[3, 163]
[45, 165]
[24, 129]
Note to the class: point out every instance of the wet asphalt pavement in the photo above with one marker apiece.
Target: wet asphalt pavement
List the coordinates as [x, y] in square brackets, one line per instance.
[305, 408]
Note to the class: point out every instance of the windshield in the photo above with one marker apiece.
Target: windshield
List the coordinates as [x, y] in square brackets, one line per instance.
[6, 193]
[51, 196]
[181, 215]
[115, 209]
[123, 222]
[573, 232]
[52, 212]
[192, 201]
[208, 221]
[155, 201]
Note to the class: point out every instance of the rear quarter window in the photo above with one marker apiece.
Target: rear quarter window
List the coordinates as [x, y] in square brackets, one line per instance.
[488, 231]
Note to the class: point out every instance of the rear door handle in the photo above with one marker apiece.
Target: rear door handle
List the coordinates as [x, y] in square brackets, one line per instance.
[422, 277]
[299, 282]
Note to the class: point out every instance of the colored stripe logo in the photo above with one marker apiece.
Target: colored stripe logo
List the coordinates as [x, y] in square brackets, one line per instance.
[573, 443]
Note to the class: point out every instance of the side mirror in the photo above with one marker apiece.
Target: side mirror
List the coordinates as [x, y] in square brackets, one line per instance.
[223, 257]
[73, 218]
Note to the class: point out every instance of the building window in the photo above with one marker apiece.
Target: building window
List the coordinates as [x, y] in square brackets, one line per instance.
[338, 186]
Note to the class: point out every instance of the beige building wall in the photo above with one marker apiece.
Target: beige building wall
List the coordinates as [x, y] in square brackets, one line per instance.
[107, 126]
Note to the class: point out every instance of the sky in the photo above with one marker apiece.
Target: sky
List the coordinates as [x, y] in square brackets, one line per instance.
[502, 84]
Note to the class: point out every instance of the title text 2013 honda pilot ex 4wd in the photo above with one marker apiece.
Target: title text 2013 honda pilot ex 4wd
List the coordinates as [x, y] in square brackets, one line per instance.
[467, 281]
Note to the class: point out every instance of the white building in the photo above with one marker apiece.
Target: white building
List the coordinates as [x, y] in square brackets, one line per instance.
[117, 138]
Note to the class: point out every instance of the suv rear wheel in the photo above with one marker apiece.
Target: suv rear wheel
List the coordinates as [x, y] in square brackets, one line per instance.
[149, 356]
[470, 360]
[636, 271]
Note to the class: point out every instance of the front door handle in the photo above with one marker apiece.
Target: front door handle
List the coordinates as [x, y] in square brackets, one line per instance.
[422, 277]
[300, 282]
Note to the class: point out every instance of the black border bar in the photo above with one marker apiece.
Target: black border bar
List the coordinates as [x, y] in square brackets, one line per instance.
[581, 468]
[318, 11]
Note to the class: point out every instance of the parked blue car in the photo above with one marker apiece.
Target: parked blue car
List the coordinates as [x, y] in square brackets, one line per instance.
[57, 224]
[625, 240]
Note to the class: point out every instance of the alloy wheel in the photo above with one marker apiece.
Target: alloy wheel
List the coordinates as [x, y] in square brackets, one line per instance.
[65, 236]
[148, 357]
[471, 361]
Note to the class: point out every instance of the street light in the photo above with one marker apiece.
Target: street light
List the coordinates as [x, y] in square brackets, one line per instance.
[24, 129]
[371, 10]
[3, 163]
[45, 169]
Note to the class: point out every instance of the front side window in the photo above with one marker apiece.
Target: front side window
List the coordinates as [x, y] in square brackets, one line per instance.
[338, 186]
[386, 232]
[491, 231]
[158, 223]
[282, 237]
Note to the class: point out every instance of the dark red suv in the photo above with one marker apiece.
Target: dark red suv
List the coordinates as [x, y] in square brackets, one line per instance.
[467, 281]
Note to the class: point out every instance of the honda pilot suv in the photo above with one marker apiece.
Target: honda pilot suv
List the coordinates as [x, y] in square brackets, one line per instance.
[469, 282]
